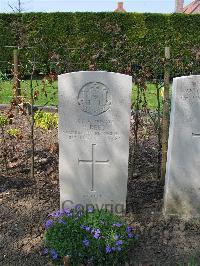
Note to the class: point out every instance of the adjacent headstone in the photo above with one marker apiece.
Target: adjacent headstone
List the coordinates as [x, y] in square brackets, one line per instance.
[94, 120]
[182, 189]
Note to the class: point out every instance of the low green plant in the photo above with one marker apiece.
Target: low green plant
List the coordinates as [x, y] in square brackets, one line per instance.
[13, 132]
[3, 76]
[193, 262]
[88, 236]
[46, 120]
[3, 121]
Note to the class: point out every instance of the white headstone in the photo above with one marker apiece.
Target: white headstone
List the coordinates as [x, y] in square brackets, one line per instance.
[94, 121]
[182, 189]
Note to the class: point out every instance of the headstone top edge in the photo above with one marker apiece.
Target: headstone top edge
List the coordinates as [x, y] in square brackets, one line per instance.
[186, 77]
[88, 72]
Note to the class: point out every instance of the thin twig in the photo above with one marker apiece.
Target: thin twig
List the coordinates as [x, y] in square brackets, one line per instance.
[32, 121]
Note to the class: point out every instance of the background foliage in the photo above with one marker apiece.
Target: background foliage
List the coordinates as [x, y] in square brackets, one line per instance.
[130, 43]
[126, 43]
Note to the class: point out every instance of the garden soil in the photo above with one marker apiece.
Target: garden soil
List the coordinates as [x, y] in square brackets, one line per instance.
[25, 202]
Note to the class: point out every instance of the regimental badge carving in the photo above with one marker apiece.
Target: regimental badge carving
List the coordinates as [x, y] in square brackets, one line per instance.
[94, 98]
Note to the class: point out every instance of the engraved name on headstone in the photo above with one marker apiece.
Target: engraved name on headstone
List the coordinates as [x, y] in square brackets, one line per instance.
[182, 188]
[94, 121]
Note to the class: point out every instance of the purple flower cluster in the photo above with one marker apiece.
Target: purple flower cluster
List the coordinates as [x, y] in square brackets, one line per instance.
[117, 247]
[90, 209]
[52, 252]
[129, 231]
[68, 212]
[86, 228]
[97, 233]
[86, 243]
[56, 214]
[48, 224]
[116, 237]
[61, 221]
[109, 237]
[60, 213]
[78, 207]
[117, 225]
[130, 235]
[108, 249]
[119, 242]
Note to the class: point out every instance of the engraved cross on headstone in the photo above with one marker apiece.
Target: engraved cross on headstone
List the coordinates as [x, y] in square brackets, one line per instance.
[93, 162]
[196, 135]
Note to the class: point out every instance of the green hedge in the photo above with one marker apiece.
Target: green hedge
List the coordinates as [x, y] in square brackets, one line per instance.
[107, 41]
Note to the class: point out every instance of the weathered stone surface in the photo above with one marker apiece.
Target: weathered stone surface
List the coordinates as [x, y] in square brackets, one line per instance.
[182, 190]
[94, 119]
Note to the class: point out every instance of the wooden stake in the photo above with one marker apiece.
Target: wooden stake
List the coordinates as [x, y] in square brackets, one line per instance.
[16, 81]
[165, 122]
[32, 124]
